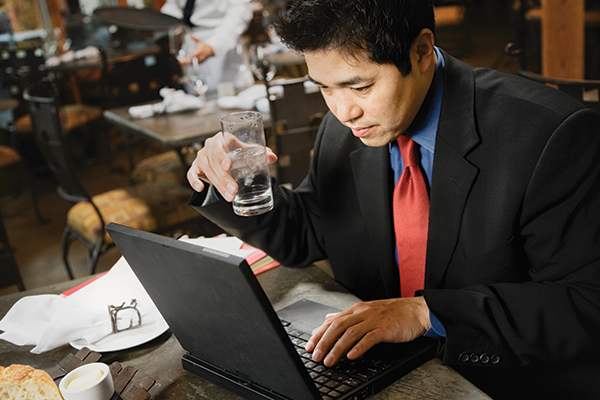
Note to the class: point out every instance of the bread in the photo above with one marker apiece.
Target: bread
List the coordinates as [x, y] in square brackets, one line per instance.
[22, 382]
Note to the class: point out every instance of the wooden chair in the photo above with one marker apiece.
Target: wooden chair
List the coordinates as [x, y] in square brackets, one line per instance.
[585, 91]
[295, 115]
[157, 206]
[167, 166]
[9, 271]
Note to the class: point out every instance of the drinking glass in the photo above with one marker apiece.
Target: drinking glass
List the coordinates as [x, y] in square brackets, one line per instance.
[181, 43]
[197, 77]
[245, 143]
[260, 67]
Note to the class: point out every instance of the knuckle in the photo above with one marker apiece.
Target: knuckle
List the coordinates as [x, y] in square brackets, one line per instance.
[353, 331]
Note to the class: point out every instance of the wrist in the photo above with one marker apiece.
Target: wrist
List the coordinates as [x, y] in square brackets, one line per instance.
[423, 313]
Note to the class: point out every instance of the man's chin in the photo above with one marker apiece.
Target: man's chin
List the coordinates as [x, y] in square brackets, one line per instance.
[376, 142]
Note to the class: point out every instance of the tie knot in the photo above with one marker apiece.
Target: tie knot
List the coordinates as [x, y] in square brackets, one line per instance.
[409, 150]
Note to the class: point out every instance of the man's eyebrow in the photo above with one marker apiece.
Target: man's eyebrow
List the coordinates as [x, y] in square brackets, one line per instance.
[350, 82]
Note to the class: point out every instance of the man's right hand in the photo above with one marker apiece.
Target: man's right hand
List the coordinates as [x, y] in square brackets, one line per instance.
[212, 165]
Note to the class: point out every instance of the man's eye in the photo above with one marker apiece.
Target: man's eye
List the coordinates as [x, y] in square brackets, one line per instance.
[361, 89]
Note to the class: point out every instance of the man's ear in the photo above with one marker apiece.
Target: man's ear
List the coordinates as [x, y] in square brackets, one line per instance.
[424, 48]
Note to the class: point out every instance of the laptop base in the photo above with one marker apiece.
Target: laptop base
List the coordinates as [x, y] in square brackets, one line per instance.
[227, 380]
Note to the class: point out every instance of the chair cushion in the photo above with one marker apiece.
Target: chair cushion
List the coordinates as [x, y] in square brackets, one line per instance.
[72, 116]
[148, 206]
[8, 156]
[161, 167]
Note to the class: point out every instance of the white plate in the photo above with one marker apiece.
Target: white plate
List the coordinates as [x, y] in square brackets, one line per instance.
[125, 339]
[120, 285]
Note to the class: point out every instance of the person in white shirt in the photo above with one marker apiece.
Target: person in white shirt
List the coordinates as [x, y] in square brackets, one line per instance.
[216, 28]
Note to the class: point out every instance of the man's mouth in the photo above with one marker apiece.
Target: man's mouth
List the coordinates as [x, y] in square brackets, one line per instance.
[360, 132]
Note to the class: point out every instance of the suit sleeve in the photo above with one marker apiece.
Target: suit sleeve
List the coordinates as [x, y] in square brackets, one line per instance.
[555, 316]
[290, 233]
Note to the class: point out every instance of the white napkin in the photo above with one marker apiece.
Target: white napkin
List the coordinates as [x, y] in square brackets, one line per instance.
[50, 321]
[256, 97]
[173, 101]
[89, 52]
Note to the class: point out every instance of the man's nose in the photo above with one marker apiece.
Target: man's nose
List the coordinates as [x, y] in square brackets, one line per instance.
[343, 107]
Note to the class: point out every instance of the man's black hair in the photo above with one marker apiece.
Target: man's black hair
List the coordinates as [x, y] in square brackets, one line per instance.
[384, 29]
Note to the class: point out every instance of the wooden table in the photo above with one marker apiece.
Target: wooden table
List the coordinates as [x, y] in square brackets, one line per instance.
[160, 358]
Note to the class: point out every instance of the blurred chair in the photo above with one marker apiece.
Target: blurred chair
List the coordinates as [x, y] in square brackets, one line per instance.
[526, 43]
[139, 79]
[19, 175]
[24, 68]
[451, 25]
[9, 271]
[158, 206]
[296, 113]
[168, 166]
[585, 91]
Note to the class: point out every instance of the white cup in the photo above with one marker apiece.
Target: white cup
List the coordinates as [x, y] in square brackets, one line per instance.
[88, 382]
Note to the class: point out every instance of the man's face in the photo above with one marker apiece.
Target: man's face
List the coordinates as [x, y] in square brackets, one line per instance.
[373, 100]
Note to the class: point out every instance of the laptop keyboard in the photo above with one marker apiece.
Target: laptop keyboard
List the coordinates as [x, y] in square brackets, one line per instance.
[334, 382]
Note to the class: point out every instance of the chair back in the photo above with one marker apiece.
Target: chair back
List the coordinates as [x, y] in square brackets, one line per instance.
[44, 109]
[586, 92]
[20, 69]
[139, 79]
[296, 114]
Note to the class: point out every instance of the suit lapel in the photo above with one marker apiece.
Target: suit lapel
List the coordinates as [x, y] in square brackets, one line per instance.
[453, 175]
[371, 168]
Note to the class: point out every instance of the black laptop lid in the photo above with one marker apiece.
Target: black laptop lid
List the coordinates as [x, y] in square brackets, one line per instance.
[217, 310]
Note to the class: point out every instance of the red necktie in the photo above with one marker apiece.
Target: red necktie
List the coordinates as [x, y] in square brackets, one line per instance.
[411, 219]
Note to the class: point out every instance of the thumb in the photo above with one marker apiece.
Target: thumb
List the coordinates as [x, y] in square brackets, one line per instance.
[271, 157]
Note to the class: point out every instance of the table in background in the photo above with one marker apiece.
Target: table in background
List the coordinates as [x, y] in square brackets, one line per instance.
[160, 359]
[173, 129]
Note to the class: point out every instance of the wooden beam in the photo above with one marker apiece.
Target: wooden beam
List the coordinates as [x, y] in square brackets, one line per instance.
[563, 38]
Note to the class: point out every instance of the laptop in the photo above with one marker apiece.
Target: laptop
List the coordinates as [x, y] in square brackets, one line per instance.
[233, 337]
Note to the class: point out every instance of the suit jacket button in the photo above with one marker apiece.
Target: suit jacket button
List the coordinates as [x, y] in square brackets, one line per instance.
[484, 358]
[495, 359]
[464, 357]
[474, 358]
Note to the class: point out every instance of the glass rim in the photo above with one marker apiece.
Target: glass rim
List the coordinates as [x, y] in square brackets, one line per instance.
[256, 116]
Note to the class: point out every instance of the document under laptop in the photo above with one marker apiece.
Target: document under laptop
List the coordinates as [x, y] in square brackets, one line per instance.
[233, 337]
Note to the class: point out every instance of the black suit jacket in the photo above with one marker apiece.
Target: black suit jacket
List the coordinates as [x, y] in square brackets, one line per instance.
[513, 255]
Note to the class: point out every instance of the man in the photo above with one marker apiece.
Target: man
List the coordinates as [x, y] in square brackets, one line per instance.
[512, 276]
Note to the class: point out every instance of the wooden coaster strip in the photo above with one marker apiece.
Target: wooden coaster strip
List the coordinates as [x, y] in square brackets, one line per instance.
[125, 388]
[72, 361]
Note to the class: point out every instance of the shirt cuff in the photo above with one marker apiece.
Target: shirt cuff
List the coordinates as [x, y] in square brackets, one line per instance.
[437, 330]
